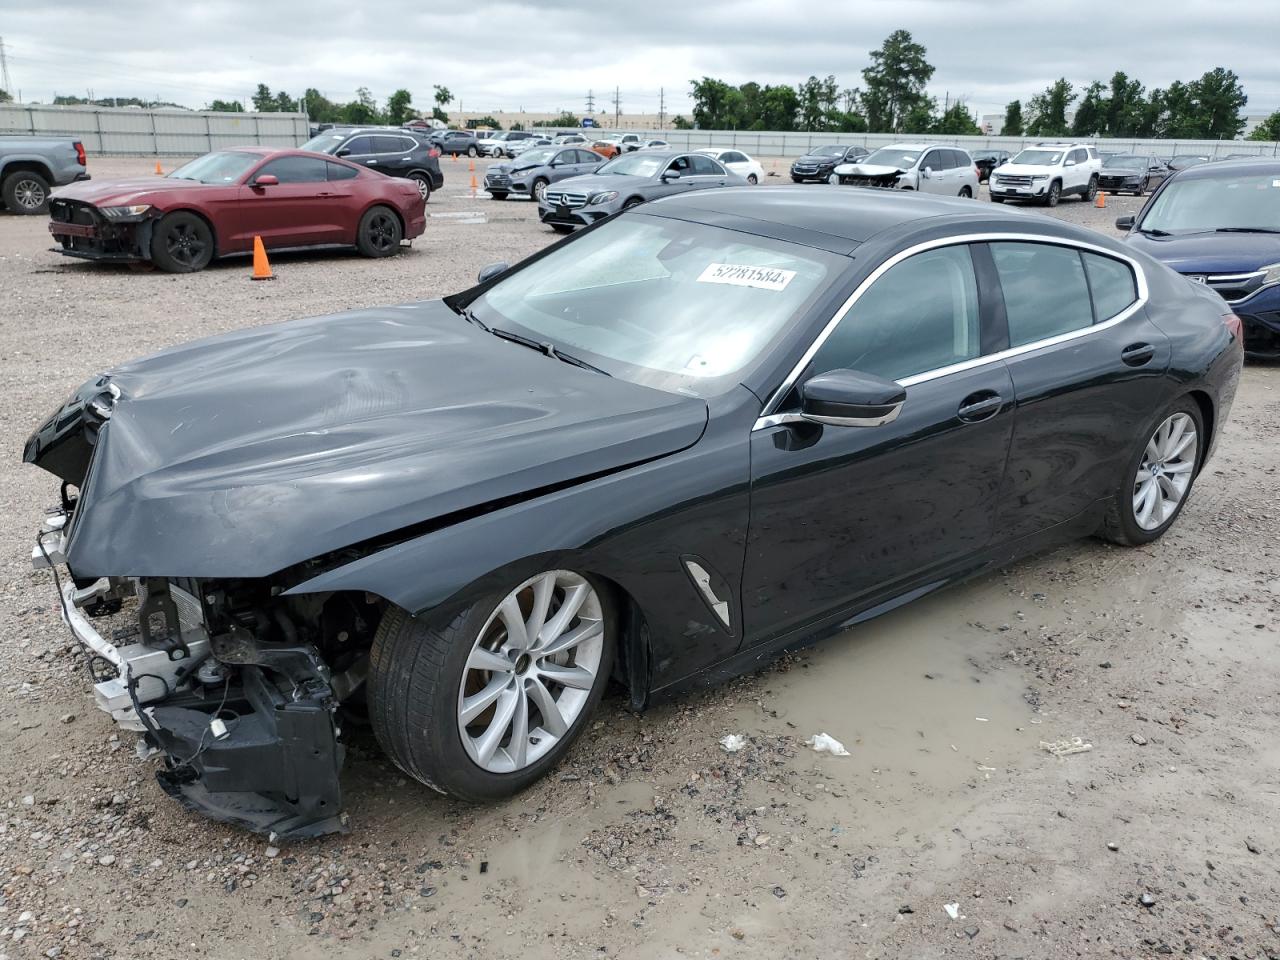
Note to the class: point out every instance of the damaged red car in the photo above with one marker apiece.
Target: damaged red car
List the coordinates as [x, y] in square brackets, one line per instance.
[215, 205]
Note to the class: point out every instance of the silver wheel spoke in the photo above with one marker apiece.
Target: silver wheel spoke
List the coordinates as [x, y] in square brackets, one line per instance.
[478, 703]
[487, 743]
[567, 641]
[573, 600]
[513, 620]
[518, 748]
[1186, 440]
[577, 677]
[1169, 491]
[1144, 501]
[543, 591]
[482, 659]
[552, 719]
[1181, 466]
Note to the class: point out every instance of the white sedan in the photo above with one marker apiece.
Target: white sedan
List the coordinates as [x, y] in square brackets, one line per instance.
[738, 162]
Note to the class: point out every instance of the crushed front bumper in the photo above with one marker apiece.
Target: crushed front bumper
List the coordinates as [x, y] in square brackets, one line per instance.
[248, 728]
[81, 231]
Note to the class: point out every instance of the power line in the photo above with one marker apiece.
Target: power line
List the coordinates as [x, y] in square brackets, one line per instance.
[662, 108]
[617, 108]
[591, 103]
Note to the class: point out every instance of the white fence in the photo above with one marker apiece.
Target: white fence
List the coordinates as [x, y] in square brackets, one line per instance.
[779, 144]
[105, 131]
[124, 131]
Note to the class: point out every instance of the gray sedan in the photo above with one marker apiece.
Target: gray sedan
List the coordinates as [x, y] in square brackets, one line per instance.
[627, 180]
[534, 170]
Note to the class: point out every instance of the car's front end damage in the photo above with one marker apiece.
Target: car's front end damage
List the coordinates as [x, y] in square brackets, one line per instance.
[864, 175]
[237, 687]
[90, 232]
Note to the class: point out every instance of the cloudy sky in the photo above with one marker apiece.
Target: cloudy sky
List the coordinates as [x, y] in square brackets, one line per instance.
[546, 55]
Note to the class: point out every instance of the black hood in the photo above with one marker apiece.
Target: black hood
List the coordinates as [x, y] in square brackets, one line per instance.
[243, 454]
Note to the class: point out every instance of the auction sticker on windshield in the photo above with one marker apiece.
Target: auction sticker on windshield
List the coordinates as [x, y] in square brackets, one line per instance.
[745, 275]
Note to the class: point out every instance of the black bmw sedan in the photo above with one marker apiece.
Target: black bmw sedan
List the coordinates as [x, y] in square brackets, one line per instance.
[709, 429]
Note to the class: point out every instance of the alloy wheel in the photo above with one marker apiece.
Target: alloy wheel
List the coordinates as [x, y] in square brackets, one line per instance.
[184, 244]
[531, 671]
[424, 188]
[381, 231]
[1165, 471]
[540, 190]
[30, 194]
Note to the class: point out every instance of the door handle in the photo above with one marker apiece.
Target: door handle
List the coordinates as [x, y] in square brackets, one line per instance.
[980, 406]
[1136, 354]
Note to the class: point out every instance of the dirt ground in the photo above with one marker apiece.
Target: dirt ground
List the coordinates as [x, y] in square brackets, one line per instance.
[651, 841]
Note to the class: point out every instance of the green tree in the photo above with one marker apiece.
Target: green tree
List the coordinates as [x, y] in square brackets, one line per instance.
[956, 121]
[1219, 99]
[320, 108]
[1091, 115]
[1178, 113]
[1268, 129]
[6, 96]
[285, 103]
[517, 125]
[225, 106]
[363, 109]
[922, 117]
[1151, 117]
[1125, 106]
[895, 83]
[716, 104]
[442, 96]
[1012, 119]
[778, 108]
[263, 101]
[1049, 110]
[566, 119]
[680, 123]
[489, 122]
[399, 107]
[438, 114]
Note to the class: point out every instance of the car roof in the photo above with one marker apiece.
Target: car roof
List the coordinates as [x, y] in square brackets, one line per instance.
[1262, 166]
[838, 219]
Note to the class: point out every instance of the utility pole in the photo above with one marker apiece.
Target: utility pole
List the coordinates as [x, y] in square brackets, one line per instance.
[662, 108]
[617, 109]
[591, 103]
[4, 68]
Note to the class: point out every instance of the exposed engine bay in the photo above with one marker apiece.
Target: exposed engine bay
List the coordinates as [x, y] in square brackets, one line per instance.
[888, 179]
[241, 691]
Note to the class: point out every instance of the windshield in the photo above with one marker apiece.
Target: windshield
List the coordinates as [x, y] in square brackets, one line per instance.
[1189, 206]
[634, 165]
[1039, 158]
[222, 167]
[828, 152]
[1186, 159]
[325, 142]
[892, 157]
[530, 158]
[1123, 161]
[670, 304]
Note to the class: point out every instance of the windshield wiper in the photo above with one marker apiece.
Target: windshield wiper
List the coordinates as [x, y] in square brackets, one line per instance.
[1246, 230]
[1154, 232]
[547, 349]
[469, 315]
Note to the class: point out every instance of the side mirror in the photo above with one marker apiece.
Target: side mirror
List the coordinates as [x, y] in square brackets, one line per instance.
[927, 173]
[1125, 223]
[491, 270]
[344, 152]
[670, 175]
[847, 398]
[266, 180]
[1069, 163]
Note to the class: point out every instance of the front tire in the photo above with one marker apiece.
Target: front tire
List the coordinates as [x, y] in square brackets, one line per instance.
[1054, 195]
[181, 243]
[752, 179]
[25, 193]
[1158, 477]
[498, 194]
[484, 705]
[379, 233]
[472, 152]
[540, 189]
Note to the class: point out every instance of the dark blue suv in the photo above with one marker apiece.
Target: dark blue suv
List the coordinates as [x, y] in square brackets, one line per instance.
[1219, 224]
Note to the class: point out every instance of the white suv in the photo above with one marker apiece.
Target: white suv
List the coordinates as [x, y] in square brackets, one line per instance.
[926, 167]
[1047, 172]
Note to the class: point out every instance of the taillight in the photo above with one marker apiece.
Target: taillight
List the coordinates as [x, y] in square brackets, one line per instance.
[433, 152]
[80, 158]
[1234, 324]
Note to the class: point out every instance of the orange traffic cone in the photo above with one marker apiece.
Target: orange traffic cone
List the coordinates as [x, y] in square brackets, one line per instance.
[474, 186]
[261, 266]
[471, 165]
[1101, 201]
[159, 172]
[453, 157]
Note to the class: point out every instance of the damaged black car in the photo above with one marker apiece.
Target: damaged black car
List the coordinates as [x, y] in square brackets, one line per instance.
[706, 430]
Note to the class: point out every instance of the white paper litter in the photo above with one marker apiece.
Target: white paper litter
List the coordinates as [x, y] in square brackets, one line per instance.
[823, 743]
[1065, 748]
[953, 910]
[733, 742]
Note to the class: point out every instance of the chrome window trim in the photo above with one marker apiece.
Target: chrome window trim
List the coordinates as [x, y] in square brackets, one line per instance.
[1210, 277]
[769, 416]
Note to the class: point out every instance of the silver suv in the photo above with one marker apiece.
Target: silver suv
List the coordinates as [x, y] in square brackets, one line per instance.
[925, 167]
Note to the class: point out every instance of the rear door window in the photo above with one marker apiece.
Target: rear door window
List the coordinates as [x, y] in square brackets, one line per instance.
[706, 167]
[1112, 284]
[1045, 291]
[386, 144]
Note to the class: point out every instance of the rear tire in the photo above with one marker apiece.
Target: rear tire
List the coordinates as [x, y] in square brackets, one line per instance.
[181, 243]
[1121, 524]
[472, 152]
[966, 193]
[25, 193]
[379, 233]
[1091, 190]
[752, 179]
[424, 184]
[470, 706]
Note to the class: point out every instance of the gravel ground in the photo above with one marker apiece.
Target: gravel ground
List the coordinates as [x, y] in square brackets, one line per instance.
[651, 841]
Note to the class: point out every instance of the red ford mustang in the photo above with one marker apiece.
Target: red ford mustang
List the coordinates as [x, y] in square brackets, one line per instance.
[216, 204]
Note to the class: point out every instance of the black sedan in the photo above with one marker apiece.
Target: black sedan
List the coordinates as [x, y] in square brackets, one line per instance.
[819, 164]
[988, 160]
[1138, 174]
[707, 430]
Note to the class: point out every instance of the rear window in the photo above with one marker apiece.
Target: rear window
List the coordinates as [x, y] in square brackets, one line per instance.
[339, 171]
[1045, 292]
[391, 145]
[1112, 284]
